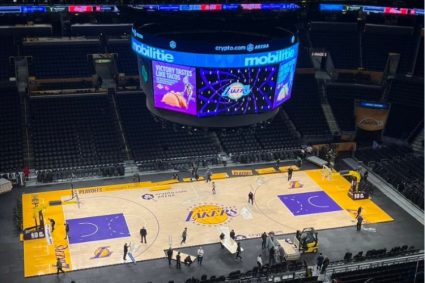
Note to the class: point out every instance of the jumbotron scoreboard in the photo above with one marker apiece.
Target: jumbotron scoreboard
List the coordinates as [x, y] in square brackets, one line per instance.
[215, 76]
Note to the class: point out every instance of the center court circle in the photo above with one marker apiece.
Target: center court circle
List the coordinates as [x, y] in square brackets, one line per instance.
[211, 214]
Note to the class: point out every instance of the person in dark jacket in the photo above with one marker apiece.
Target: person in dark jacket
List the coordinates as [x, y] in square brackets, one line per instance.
[319, 261]
[324, 265]
[264, 240]
[143, 234]
[125, 251]
[178, 263]
[169, 255]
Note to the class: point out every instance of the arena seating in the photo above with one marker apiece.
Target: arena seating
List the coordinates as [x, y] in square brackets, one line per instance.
[7, 49]
[11, 145]
[419, 67]
[304, 60]
[403, 273]
[400, 167]
[304, 108]
[61, 60]
[74, 131]
[341, 98]
[272, 135]
[340, 39]
[149, 141]
[378, 41]
[406, 96]
[127, 61]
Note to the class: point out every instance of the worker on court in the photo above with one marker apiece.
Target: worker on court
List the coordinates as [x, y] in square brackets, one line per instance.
[125, 251]
[290, 171]
[359, 222]
[251, 198]
[213, 188]
[200, 255]
[238, 252]
[359, 211]
[184, 236]
[143, 234]
[66, 230]
[169, 255]
[222, 236]
[264, 240]
[52, 224]
[59, 266]
[233, 235]
[178, 263]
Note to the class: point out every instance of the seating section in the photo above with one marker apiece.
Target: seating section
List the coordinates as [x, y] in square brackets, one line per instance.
[273, 135]
[64, 60]
[127, 60]
[406, 96]
[378, 43]
[400, 167]
[11, 145]
[419, 67]
[403, 273]
[7, 49]
[341, 97]
[149, 141]
[304, 60]
[342, 44]
[74, 131]
[304, 108]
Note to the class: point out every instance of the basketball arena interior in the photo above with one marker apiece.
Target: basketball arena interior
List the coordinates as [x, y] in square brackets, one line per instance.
[211, 141]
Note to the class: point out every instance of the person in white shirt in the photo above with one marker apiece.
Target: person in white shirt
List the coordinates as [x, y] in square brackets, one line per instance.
[200, 255]
[259, 261]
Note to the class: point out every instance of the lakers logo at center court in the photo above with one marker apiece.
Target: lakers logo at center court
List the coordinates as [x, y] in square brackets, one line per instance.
[211, 214]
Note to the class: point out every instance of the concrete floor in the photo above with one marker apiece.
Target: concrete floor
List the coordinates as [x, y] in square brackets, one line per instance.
[334, 243]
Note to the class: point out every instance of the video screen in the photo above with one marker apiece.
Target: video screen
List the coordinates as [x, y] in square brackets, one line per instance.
[236, 91]
[174, 87]
[285, 80]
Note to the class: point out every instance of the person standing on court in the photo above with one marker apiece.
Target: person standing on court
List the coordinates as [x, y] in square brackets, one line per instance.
[66, 230]
[169, 255]
[213, 188]
[319, 261]
[359, 211]
[200, 255]
[290, 171]
[178, 263]
[222, 236]
[238, 251]
[251, 198]
[125, 251]
[264, 240]
[208, 175]
[184, 236]
[52, 224]
[143, 234]
[59, 266]
[359, 222]
[232, 235]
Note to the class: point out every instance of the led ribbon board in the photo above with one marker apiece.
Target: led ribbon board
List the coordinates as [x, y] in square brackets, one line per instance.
[214, 60]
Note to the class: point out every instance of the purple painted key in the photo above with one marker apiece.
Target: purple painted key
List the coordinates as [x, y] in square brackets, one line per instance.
[309, 203]
[97, 228]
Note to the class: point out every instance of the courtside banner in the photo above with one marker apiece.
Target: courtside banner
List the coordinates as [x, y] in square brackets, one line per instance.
[371, 116]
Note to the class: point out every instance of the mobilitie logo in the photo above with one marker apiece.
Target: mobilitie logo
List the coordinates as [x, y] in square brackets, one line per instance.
[271, 57]
[152, 52]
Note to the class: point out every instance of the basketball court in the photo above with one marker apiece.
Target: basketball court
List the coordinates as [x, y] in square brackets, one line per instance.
[103, 219]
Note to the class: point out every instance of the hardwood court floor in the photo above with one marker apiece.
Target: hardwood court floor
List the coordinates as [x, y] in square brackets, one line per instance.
[109, 216]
